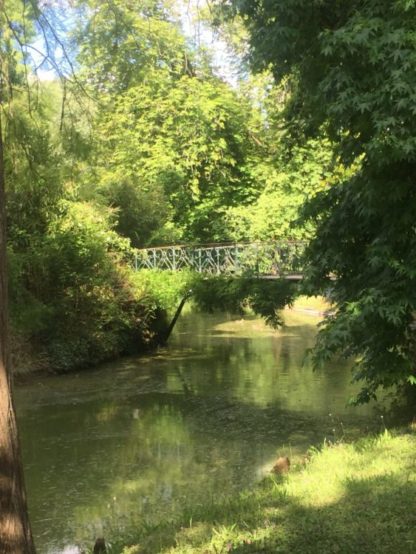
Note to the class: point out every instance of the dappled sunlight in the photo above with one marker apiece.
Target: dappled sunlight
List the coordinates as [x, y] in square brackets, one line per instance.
[326, 481]
[317, 489]
[298, 513]
[156, 434]
[248, 328]
[255, 327]
[164, 355]
[107, 413]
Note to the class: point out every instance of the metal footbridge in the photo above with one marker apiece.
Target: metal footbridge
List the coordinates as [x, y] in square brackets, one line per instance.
[268, 260]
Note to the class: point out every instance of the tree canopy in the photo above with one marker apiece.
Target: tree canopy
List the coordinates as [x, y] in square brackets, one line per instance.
[350, 66]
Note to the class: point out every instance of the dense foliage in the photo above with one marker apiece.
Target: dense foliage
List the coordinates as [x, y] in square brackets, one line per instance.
[133, 139]
[176, 151]
[190, 141]
[350, 65]
[73, 293]
[117, 131]
[146, 142]
[263, 298]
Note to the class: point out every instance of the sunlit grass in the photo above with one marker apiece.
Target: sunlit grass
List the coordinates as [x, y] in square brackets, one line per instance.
[246, 327]
[346, 498]
[312, 303]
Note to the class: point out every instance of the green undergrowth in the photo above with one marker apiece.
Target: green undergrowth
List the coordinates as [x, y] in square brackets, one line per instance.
[92, 306]
[235, 294]
[165, 289]
[342, 498]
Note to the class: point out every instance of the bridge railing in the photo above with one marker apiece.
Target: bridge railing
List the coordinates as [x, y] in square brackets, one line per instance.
[277, 258]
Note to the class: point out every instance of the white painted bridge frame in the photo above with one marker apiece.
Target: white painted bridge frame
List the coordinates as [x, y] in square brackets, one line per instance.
[279, 259]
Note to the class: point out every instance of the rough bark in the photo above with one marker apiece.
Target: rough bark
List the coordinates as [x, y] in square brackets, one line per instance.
[15, 532]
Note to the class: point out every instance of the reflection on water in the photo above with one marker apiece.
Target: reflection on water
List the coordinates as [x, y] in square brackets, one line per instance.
[134, 442]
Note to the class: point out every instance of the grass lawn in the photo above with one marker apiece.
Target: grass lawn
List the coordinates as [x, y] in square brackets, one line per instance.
[346, 498]
[316, 304]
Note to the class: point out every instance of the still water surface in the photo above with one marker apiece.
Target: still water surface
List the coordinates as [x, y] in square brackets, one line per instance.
[136, 441]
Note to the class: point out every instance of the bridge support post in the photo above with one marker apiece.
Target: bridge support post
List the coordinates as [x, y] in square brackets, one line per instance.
[236, 259]
[199, 260]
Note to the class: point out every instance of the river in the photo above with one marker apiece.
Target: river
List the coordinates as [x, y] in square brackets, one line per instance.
[136, 441]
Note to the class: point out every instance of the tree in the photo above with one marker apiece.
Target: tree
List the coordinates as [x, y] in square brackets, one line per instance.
[119, 41]
[15, 532]
[17, 22]
[351, 69]
[186, 143]
[171, 139]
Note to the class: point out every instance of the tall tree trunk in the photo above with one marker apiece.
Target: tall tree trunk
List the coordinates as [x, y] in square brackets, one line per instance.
[15, 532]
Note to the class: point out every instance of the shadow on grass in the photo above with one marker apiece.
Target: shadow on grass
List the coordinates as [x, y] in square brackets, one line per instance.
[373, 516]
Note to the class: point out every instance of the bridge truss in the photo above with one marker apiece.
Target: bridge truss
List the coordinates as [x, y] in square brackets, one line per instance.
[277, 259]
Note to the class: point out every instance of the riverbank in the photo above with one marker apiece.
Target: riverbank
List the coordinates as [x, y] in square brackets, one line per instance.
[139, 323]
[167, 441]
[341, 498]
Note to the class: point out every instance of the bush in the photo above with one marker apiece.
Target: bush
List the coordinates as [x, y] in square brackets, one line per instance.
[165, 289]
[74, 293]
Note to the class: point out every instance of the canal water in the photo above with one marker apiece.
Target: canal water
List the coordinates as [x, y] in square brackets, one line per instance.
[137, 441]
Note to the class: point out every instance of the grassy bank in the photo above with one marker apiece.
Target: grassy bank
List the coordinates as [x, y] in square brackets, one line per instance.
[92, 318]
[343, 498]
[311, 304]
[99, 308]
